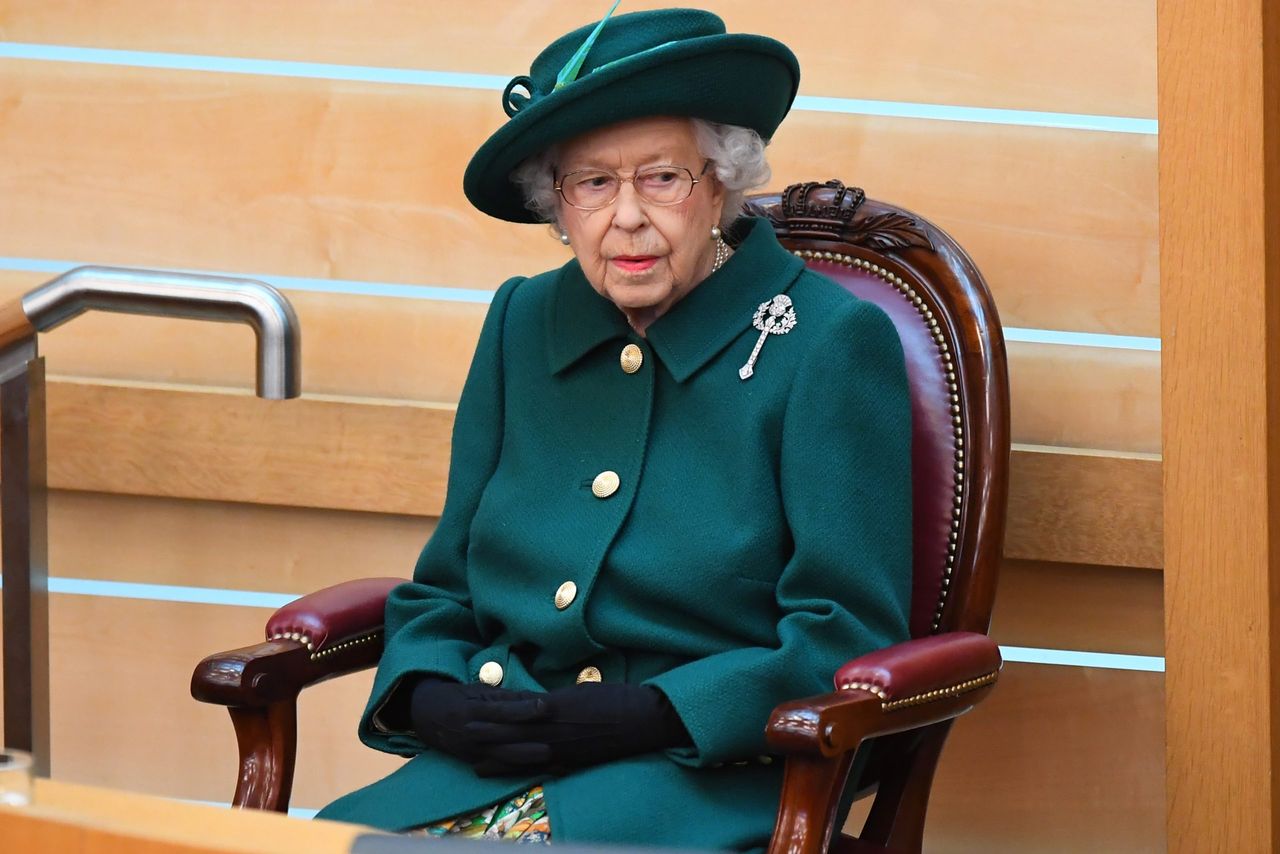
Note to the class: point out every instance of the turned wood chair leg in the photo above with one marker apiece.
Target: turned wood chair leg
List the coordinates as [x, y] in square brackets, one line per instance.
[268, 741]
[897, 815]
[811, 789]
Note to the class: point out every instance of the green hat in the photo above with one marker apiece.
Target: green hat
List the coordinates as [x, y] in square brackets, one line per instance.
[668, 62]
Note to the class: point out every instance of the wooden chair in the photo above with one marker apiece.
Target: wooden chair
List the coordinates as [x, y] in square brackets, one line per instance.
[904, 697]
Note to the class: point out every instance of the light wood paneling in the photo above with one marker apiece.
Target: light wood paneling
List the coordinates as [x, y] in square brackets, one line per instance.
[411, 349]
[1085, 397]
[1084, 507]
[297, 550]
[116, 822]
[361, 181]
[122, 709]
[1058, 759]
[224, 545]
[1220, 320]
[1079, 607]
[375, 347]
[230, 446]
[1093, 56]
[388, 457]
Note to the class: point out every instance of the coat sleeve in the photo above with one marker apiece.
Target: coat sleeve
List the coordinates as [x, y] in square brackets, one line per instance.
[430, 627]
[845, 479]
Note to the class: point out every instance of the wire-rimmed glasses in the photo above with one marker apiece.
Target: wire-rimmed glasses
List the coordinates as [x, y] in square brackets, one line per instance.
[593, 189]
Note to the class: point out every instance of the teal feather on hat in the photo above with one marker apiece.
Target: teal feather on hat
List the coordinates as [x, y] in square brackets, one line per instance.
[569, 73]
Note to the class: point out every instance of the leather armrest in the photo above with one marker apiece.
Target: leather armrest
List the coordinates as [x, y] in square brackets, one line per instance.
[324, 634]
[333, 615]
[908, 685]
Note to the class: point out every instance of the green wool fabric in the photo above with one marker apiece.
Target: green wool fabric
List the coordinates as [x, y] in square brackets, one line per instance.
[659, 62]
[760, 538]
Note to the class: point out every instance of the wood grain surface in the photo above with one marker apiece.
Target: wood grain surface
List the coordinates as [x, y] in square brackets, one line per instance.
[392, 457]
[1092, 56]
[361, 181]
[1079, 607]
[1085, 507]
[1220, 321]
[411, 349]
[345, 454]
[109, 821]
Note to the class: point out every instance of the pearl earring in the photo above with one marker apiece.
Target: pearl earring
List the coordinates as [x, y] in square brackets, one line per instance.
[715, 232]
[564, 238]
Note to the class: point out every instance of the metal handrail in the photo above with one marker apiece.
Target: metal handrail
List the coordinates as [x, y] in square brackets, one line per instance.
[23, 515]
[186, 295]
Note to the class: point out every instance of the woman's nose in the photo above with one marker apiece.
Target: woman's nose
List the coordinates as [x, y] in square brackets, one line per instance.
[628, 212]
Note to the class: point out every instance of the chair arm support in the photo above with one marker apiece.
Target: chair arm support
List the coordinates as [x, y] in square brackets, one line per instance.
[902, 687]
[324, 634]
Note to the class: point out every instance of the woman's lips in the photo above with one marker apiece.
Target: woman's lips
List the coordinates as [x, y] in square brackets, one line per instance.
[634, 263]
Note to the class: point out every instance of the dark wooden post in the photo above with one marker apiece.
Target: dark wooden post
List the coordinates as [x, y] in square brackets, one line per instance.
[23, 543]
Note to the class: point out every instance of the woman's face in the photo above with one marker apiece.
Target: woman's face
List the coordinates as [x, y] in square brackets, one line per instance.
[643, 257]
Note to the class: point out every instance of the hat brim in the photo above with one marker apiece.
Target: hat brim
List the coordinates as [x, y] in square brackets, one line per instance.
[737, 79]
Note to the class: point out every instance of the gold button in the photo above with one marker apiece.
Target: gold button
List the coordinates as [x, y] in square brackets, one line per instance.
[491, 673]
[632, 358]
[565, 594]
[605, 484]
[589, 674]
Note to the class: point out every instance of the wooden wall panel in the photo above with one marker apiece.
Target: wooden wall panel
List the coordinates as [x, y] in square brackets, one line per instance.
[368, 346]
[1058, 759]
[361, 181]
[1220, 319]
[1085, 507]
[232, 446]
[297, 550]
[130, 662]
[1079, 607]
[411, 349]
[218, 544]
[374, 456]
[1085, 397]
[1093, 56]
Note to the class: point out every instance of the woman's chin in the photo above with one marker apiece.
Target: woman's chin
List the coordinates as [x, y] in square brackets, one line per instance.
[638, 295]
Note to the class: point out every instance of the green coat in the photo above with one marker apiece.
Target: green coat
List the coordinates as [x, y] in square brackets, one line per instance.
[759, 538]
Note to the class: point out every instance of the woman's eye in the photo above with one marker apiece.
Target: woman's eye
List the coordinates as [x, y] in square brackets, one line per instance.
[659, 179]
[594, 182]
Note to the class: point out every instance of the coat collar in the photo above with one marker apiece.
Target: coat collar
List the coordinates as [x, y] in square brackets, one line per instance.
[696, 328]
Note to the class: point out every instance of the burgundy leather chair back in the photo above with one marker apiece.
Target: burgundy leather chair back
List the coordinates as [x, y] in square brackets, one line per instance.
[959, 383]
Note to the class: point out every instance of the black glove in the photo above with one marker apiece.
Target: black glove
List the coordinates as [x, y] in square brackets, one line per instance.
[441, 710]
[571, 728]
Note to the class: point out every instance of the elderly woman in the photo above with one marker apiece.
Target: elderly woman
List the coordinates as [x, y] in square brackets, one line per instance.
[664, 516]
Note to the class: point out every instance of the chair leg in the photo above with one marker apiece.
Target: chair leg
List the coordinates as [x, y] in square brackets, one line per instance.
[811, 789]
[268, 741]
[897, 816]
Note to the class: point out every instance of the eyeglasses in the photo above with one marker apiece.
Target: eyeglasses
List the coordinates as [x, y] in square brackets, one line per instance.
[593, 189]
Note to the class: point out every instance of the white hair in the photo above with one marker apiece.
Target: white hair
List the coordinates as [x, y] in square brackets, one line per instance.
[736, 155]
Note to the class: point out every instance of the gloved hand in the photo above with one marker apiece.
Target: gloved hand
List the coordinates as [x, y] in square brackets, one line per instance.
[571, 728]
[441, 710]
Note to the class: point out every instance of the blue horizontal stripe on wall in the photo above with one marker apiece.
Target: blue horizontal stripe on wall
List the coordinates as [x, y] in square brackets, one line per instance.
[1074, 658]
[169, 593]
[256, 599]
[446, 293]
[495, 82]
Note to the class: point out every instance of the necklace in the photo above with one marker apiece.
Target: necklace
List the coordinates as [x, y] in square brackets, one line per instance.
[722, 254]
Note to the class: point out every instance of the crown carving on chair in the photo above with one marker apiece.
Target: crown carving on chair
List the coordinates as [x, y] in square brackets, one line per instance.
[805, 205]
[830, 209]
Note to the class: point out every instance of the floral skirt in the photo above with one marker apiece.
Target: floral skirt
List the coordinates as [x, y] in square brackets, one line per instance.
[521, 818]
